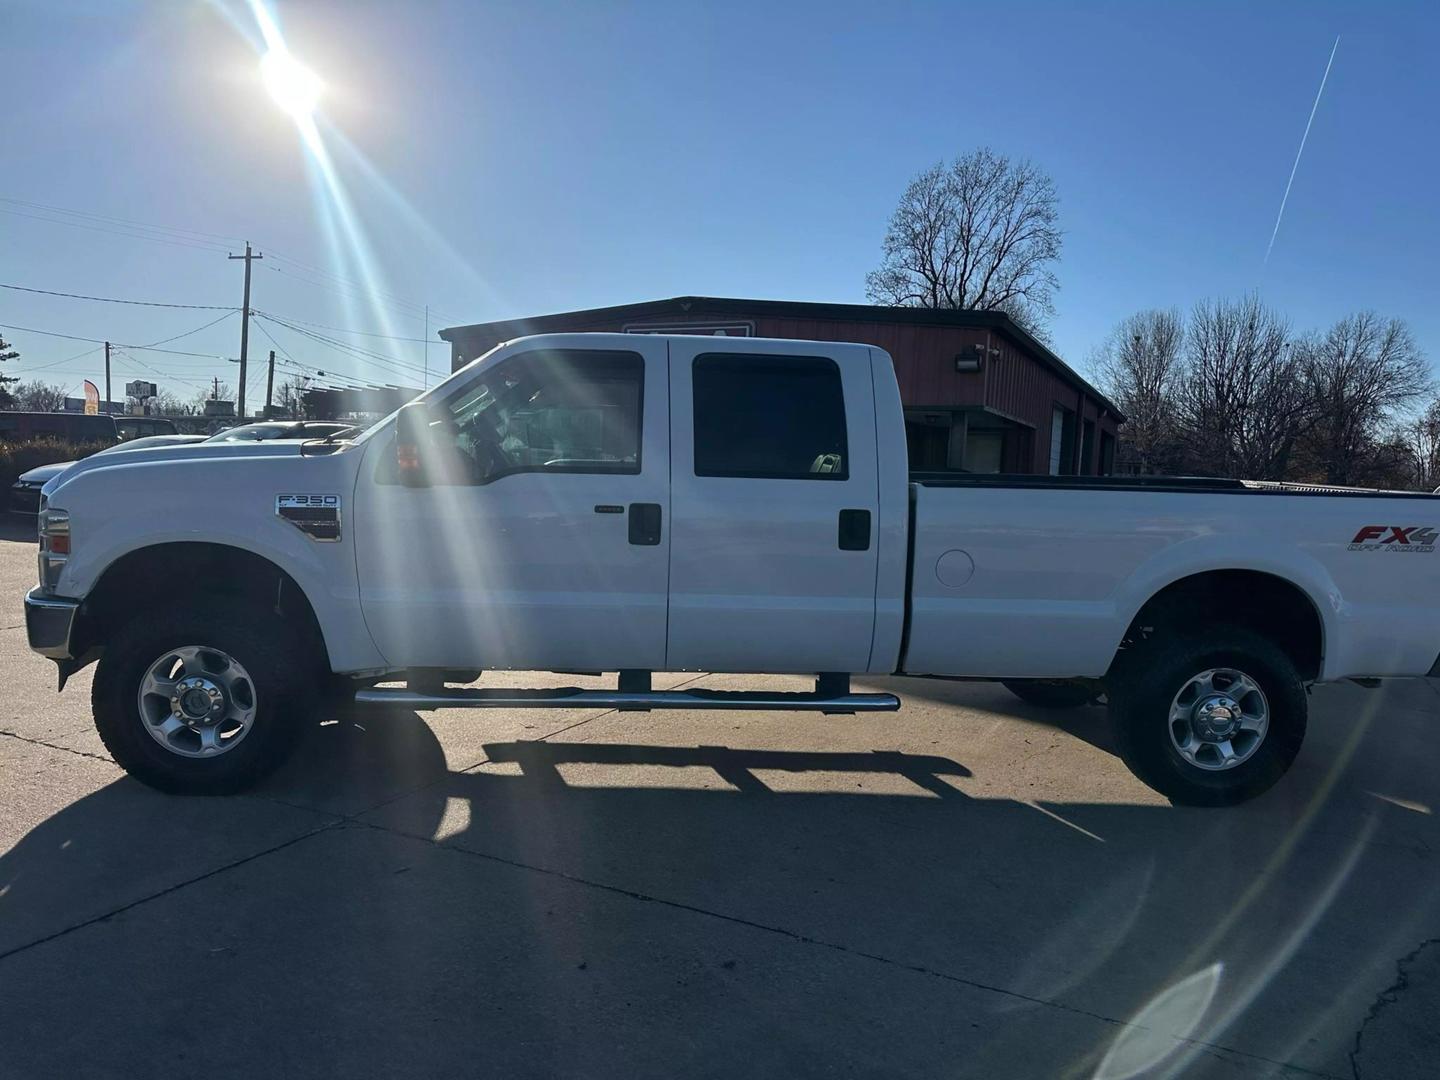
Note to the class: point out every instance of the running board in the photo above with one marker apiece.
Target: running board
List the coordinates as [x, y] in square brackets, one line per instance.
[573, 697]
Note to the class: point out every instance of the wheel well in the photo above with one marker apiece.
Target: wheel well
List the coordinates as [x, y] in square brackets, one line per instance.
[151, 578]
[1262, 602]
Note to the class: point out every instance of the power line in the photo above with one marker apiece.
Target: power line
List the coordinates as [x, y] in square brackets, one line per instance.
[365, 288]
[114, 300]
[402, 308]
[347, 330]
[128, 234]
[390, 363]
[199, 240]
[118, 221]
[101, 341]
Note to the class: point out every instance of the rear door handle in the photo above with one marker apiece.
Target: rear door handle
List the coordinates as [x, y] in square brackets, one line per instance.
[645, 524]
[854, 532]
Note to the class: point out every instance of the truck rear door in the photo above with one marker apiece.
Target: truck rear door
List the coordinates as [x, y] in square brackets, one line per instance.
[774, 506]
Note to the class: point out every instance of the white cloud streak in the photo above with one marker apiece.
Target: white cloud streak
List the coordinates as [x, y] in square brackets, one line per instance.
[1293, 168]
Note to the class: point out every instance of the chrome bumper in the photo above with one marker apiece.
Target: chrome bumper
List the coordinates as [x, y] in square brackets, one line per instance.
[48, 623]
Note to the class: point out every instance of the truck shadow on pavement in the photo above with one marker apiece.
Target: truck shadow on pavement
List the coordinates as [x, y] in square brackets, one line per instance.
[589, 908]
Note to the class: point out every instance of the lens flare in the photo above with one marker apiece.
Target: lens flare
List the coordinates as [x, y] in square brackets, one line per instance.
[295, 88]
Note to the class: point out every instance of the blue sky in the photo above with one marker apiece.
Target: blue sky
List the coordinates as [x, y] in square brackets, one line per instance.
[504, 159]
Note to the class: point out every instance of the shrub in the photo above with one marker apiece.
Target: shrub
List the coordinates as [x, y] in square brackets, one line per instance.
[20, 457]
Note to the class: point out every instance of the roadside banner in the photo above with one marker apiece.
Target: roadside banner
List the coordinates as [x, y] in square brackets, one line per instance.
[92, 398]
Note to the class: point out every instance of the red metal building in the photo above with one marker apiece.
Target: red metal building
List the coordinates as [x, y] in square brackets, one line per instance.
[980, 393]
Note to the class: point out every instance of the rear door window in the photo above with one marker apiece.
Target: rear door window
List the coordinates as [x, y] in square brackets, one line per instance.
[769, 417]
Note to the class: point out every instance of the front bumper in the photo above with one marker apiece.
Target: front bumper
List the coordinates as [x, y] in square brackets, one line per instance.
[49, 622]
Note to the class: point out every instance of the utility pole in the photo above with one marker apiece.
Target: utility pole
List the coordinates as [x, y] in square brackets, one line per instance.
[107, 376]
[244, 327]
[269, 385]
[215, 394]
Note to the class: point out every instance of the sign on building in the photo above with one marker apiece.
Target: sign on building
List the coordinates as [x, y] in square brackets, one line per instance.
[707, 329]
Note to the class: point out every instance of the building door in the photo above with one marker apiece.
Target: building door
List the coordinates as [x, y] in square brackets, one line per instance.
[775, 501]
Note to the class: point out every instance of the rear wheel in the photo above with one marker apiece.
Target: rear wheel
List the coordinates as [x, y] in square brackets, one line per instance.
[203, 703]
[1050, 693]
[1208, 718]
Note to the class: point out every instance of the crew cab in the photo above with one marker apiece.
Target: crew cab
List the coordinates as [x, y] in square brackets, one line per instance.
[632, 504]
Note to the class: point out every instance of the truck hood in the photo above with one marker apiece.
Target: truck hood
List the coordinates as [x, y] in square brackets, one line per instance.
[160, 457]
[42, 474]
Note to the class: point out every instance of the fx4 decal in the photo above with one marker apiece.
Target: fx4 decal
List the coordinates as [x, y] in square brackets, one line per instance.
[1416, 538]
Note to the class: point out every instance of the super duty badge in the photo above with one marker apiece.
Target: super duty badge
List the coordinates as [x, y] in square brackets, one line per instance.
[316, 515]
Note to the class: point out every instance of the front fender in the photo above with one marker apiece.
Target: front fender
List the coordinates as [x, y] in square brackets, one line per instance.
[229, 502]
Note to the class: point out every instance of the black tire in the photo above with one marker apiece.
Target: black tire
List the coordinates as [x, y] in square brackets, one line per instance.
[1145, 682]
[1050, 693]
[283, 671]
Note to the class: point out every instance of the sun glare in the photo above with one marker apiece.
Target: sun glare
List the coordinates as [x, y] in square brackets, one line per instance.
[295, 88]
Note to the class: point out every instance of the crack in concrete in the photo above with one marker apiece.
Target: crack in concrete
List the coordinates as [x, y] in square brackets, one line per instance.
[167, 890]
[1385, 998]
[55, 746]
[1212, 1049]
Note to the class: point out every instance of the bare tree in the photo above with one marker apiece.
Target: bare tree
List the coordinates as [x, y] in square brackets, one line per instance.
[1242, 403]
[216, 391]
[1139, 368]
[7, 400]
[290, 396]
[1361, 374]
[979, 233]
[169, 403]
[1422, 439]
[37, 396]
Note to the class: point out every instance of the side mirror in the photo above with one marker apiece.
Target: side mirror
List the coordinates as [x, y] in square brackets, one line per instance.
[414, 444]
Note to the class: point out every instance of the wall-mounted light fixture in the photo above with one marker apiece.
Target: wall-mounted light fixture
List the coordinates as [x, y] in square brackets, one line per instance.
[969, 359]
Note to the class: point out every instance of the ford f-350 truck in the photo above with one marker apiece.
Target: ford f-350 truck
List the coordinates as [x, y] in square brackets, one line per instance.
[632, 504]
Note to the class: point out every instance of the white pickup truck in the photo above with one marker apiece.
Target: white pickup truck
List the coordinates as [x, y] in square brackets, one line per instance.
[631, 504]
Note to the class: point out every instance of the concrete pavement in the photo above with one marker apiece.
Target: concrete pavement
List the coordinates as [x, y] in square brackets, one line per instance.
[971, 888]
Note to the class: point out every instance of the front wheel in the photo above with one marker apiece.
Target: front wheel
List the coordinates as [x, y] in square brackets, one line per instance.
[1208, 718]
[203, 702]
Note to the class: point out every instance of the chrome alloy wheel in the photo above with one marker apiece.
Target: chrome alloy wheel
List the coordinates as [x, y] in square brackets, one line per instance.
[197, 702]
[1219, 719]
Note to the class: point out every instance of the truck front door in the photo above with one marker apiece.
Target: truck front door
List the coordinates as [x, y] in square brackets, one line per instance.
[774, 496]
[549, 549]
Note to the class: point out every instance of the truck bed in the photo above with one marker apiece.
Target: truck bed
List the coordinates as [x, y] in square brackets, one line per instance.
[1042, 576]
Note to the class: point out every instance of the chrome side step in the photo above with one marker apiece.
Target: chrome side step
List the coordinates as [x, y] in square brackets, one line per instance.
[573, 697]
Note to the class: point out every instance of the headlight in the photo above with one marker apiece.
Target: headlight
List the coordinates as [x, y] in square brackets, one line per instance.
[54, 527]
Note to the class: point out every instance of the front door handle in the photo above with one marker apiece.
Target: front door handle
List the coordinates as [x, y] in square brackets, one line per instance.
[645, 524]
[854, 532]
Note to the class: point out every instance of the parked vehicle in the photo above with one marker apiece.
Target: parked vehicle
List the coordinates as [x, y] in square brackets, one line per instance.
[286, 429]
[73, 427]
[25, 492]
[140, 427]
[637, 503]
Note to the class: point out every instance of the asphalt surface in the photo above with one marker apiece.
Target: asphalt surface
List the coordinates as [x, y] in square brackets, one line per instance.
[970, 888]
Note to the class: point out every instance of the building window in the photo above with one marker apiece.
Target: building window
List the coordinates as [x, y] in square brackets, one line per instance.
[1062, 441]
[772, 417]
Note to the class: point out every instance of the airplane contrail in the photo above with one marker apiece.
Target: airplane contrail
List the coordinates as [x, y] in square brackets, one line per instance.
[1286, 198]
